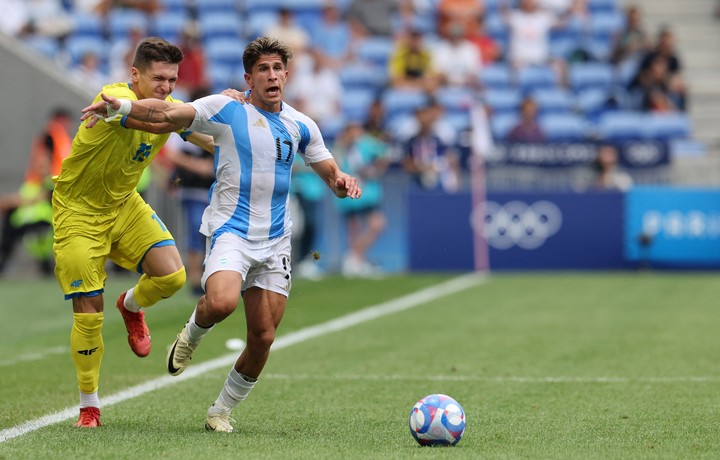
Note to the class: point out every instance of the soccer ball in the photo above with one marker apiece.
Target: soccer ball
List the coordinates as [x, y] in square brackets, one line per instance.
[437, 420]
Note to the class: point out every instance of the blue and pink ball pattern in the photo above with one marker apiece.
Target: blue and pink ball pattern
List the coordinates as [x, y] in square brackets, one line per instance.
[437, 420]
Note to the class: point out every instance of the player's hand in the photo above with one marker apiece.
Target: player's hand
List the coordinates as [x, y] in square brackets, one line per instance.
[99, 110]
[235, 94]
[347, 186]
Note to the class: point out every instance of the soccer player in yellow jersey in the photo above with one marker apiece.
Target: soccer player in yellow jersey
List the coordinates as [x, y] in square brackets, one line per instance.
[98, 214]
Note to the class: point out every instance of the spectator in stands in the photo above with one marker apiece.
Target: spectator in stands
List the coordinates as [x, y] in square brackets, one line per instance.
[123, 52]
[528, 129]
[651, 90]
[608, 175]
[89, 73]
[365, 157]
[288, 32]
[632, 42]
[457, 59]
[317, 92]
[432, 162]
[330, 38]
[15, 19]
[192, 75]
[450, 13]
[47, 18]
[28, 213]
[371, 17]
[375, 124]
[411, 63]
[488, 48]
[103, 7]
[665, 48]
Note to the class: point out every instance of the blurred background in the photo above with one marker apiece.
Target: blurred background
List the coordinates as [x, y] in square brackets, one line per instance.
[489, 134]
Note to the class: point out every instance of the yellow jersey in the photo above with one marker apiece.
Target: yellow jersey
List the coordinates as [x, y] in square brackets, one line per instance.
[106, 161]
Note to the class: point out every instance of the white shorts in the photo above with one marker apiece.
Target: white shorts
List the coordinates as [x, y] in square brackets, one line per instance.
[265, 264]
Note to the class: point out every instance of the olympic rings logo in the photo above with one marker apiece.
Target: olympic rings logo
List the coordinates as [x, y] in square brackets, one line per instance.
[516, 223]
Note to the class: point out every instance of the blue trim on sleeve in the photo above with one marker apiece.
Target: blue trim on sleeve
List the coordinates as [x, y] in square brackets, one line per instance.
[184, 135]
[75, 295]
[156, 245]
[122, 121]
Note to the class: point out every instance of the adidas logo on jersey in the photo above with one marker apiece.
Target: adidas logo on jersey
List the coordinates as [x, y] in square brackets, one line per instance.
[260, 123]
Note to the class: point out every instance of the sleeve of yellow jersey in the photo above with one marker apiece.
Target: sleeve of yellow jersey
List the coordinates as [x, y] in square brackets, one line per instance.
[120, 91]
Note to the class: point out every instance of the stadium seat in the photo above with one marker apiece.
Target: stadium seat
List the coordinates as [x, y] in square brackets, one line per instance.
[49, 47]
[402, 101]
[564, 127]
[226, 51]
[356, 103]
[88, 24]
[254, 6]
[121, 21]
[534, 77]
[503, 100]
[602, 6]
[622, 125]
[362, 75]
[554, 100]
[496, 75]
[218, 6]
[501, 124]
[76, 47]
[218, 25]
[455, 99]
[592, 101]
[585, 75]
[667, 126]
[257, 21]
[460, 121]
[605, 25]
[375, 50]
[222, 76]
[169, 25]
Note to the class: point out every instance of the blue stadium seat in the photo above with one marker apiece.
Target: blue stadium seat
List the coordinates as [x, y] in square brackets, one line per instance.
[503, 100]
[602, 6]
[667, 126]
[88, 24]
[496, 75]
[362, 75]
[534, 77]
[564, 127]
[402, 101]
[460, 121]
[591, 75]
[622, 125]
[356, 104]
[169, 25]
[254, 6]
[592, 101]
[501, 124]
[257, 21]
[76, 47]
[455, 99]
[375, 50]
[223, 76]
[216, 25]
[554, 100]
[221, 6]
[49, 47]
[225, 51]
[121, 21]
[605, 25]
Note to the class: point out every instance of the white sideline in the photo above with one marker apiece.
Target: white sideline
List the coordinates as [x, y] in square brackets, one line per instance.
[34, 356]
[344, 322]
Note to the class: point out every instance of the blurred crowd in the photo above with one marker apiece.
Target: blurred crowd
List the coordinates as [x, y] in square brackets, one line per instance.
[392, 83]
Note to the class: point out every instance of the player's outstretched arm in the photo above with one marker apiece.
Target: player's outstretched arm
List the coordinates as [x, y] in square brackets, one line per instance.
[342, 184]
[149, 110]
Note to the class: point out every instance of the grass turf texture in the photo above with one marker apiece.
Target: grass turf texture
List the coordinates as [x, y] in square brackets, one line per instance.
[545, 365]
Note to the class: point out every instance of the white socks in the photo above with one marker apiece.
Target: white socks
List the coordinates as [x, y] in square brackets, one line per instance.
[237, 386]
[196, 333]
[130, 302]
[89, 400]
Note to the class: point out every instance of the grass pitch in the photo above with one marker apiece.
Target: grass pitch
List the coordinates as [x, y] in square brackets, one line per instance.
[545, 365]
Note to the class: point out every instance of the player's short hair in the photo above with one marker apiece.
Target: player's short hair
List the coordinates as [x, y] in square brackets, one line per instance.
[155, 49]
[263, 46]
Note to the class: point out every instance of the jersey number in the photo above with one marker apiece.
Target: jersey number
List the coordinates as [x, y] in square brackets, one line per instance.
[278, 149]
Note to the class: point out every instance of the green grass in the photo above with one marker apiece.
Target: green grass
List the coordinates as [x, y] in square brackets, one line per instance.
[550, 366]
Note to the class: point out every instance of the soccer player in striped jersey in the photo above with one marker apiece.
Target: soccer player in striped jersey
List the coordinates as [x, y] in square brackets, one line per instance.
[99, 215]
[247, 223]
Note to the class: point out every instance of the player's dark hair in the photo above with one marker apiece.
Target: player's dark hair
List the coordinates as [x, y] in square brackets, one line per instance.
[155, 49]
[262, 46]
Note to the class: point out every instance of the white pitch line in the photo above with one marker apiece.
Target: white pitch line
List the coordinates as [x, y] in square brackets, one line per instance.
[34, 356]
[344, 322]
[491, 379]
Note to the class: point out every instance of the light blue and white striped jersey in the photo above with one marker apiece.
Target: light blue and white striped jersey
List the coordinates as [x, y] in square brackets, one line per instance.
[254, 152]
